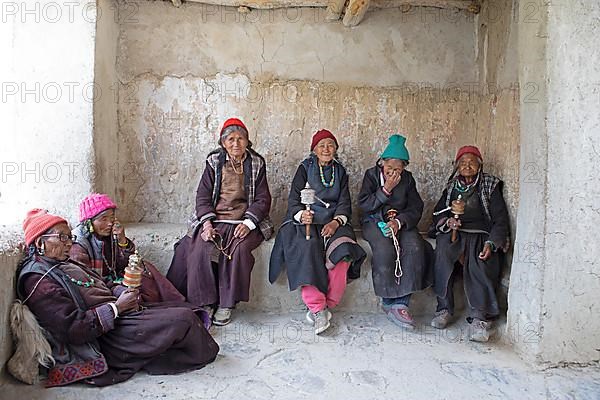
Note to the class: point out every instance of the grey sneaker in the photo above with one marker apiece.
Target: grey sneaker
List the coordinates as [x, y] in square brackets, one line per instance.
[441, 319]
[310, 317]
[481, 331]
[222, 316]
[321, 322]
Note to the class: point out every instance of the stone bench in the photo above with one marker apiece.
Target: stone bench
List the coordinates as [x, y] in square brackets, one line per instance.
[155, 242]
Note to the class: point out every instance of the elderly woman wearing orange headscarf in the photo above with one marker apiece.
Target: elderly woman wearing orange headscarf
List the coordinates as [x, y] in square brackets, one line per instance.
[98, 337]
[471, 225]
[212, 263]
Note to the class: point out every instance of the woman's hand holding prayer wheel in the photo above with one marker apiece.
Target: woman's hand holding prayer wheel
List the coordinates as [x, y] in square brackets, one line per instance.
[307, 217]
[128, 301]
[453, 223]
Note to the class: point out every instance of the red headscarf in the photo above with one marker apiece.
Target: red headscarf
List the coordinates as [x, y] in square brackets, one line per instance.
[468, 150]
[320, 135]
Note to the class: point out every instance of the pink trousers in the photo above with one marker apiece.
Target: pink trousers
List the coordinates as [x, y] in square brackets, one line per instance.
[317, 301]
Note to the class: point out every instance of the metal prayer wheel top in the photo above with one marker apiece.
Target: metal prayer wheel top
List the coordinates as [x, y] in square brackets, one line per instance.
[308, 196]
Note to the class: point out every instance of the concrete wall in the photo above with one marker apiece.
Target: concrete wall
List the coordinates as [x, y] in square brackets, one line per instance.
[105, 107]
[499, 135]
[572, 274]
[288, 73]
[554, 285]
[46, 122]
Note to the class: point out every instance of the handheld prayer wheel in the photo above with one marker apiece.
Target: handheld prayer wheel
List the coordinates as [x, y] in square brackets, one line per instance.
[308, 197]
[133, 272]
[457, 208]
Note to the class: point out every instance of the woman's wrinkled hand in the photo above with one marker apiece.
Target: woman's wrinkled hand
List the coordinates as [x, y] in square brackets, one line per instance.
[118, 230]
[392, 180]
[393, 226]
[330, 228]
[128, 301]
[241, 231]
[307, 217]
[208, 232]
[486, 252]
[453, 223]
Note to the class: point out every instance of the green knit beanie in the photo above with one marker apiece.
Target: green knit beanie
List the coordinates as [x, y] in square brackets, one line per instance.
[396, 149]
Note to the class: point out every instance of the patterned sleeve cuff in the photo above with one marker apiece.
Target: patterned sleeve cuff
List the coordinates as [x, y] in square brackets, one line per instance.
[441, 225]
[117, 290]
[106, 317]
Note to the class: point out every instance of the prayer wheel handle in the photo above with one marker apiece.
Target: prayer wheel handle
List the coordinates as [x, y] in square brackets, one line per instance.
[307, 226]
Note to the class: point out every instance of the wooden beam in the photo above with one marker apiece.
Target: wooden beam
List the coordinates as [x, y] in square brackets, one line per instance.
[335, 9]
[355, 12]
[468, 5]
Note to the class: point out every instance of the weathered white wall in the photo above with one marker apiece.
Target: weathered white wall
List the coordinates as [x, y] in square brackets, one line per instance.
[46, 153]
[105, 106]
[499, 135]
[553, 301]
[572, 276]
[288, 73]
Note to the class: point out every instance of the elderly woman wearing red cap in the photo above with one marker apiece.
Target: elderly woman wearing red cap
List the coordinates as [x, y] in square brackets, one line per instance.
[322, 261]
[97, 337]
[392, 208]
[102, 246]
[481, 231]
[212, 263]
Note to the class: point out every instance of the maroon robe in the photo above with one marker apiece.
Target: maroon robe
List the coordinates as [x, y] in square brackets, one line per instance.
[227, 282]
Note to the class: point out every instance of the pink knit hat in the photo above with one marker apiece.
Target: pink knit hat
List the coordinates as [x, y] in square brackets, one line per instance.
[93, 205]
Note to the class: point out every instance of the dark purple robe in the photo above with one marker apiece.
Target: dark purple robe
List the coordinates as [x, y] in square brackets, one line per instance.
[226, 281]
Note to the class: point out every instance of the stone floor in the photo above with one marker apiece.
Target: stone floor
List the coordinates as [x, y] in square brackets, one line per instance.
[362, 356]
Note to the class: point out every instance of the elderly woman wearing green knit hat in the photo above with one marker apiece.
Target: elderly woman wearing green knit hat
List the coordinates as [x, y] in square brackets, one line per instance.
[391, 208]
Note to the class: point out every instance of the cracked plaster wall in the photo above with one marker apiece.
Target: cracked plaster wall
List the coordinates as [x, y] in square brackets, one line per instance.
[287, 74]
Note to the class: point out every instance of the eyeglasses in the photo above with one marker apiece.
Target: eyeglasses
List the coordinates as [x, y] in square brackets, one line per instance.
[63, 237]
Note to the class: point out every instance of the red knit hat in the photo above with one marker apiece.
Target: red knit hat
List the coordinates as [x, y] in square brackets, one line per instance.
[37, 222]
[468, 150]
[233, 122]
[320, 135]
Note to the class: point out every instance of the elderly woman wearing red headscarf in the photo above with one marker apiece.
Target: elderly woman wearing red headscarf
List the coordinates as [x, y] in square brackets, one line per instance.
[102, 246]
[95, 336]
[212, 263]
[471, 223]
[318, 246]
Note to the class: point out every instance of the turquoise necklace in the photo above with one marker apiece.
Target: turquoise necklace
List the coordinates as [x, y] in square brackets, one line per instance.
[78, 282]
[331, 182]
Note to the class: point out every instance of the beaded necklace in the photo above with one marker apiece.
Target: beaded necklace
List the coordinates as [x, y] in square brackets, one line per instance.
[463, 188]
[79, 282]
[331, 182]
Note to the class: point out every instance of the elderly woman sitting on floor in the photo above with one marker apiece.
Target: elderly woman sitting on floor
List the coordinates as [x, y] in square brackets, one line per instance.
[95, 336]
[392, 208]
[471, 223]
[318, 246]
[102, 246]
[212, 263]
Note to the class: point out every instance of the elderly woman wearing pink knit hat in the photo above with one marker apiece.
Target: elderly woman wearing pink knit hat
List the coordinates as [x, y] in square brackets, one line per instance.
[102, 247]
